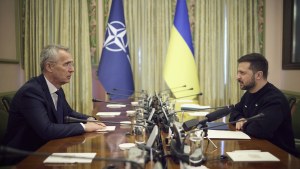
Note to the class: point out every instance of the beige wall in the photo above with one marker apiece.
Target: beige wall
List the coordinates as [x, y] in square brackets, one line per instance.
[284, 79]
[288, 80]
[11, 74]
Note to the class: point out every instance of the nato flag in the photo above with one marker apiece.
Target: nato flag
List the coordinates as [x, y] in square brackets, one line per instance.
[114, 69]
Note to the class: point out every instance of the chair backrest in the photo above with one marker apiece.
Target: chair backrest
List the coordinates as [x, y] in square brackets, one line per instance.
[6, 100]
[3, 123]
[292, 102]
[296, 120]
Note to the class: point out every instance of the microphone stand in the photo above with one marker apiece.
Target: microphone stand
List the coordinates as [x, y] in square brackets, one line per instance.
[204, 128]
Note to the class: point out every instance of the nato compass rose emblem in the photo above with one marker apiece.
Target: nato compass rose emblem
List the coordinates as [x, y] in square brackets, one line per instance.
[116, 37]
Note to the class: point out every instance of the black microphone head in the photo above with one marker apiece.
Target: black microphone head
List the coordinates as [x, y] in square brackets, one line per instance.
[218, 114]
[190, 124]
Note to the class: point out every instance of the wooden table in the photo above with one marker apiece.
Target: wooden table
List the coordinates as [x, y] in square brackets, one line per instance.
[106, 145]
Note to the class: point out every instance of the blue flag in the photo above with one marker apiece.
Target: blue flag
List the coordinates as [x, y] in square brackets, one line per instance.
[114, 69]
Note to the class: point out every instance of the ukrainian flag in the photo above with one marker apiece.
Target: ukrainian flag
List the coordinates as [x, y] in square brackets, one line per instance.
[180, 68]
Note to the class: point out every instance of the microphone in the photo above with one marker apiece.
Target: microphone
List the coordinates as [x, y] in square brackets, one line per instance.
[183, 90]
[97, 100]
[115, 89]
[187, 96]
[117, 94]
[194, 109]
[179, 143]
[172, 88]
[190, 124]
[9, 150]
[260, 115]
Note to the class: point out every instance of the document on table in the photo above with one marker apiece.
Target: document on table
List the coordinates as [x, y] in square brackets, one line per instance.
[107, 128]
[108, 114]
[70, 158]
[251, 155]
[115, 105]
[225, 134]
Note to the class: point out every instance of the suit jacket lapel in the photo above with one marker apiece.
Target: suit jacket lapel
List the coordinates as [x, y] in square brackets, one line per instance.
[52, 113]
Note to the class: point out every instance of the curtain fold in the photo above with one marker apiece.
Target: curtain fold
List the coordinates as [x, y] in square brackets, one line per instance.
[61, 22]
[222, 32]
[148, 30]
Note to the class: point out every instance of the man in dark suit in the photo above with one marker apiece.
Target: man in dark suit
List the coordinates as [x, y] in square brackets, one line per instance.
[38, 109]
[262, 97]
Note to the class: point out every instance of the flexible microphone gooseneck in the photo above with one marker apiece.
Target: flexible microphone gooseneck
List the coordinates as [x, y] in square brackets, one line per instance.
[117, 89]
[172, 88]
[117, 94]
[103, 101]
[190, 124]
[198, 94]
[7, 150]
[183, 90]
[193, 110]
[260, 115]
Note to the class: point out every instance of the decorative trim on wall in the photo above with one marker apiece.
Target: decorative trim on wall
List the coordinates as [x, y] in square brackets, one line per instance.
[262, 25]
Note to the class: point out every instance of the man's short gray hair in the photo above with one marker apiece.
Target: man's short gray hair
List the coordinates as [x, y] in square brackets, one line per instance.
[50, 53]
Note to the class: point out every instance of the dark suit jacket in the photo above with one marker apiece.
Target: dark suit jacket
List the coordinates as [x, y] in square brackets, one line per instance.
[32, 120]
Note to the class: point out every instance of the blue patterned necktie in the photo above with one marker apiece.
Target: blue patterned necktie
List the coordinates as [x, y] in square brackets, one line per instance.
[59, 107]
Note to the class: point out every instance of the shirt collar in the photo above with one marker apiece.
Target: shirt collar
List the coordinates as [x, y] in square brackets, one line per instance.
[51, 87]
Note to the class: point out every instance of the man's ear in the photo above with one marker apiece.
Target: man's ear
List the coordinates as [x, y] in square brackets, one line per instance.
[49, 67]
[259, 75]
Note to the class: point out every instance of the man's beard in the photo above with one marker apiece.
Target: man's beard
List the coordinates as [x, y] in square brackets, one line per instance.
[249, 86]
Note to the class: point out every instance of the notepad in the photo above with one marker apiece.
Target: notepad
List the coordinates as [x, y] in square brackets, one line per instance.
[115, 105]
[107, 128]
[108, 114]
[251, 155]
[224, 134]
[70, 158]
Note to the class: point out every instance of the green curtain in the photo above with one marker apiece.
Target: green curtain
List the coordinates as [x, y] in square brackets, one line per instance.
[60, 22]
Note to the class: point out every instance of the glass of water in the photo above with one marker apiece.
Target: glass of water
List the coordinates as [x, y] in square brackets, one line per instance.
[139, 134]
[196, 149]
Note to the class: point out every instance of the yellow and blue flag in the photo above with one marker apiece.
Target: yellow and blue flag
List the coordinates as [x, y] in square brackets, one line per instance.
[180, 67]
[114, 71]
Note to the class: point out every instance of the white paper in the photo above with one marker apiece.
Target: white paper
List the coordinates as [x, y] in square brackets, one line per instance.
[108, 128]
[115, 105]
[134, 103]
[193, 106]
[108, 113]
[70, 158]
[198, 113]
[225, 134]
[251, 155]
